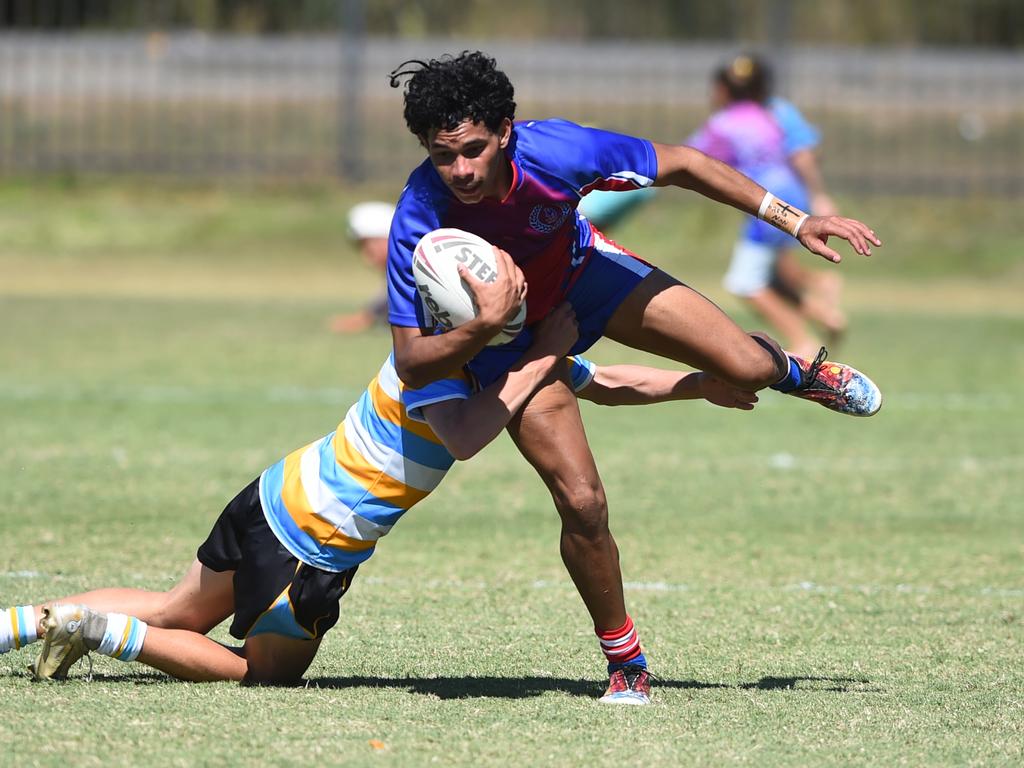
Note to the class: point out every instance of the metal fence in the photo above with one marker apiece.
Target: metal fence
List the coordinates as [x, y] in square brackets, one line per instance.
[311, 107]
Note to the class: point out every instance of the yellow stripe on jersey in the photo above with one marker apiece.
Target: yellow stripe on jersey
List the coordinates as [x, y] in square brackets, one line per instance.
[293, 494]
[376, 481]
[392, 410]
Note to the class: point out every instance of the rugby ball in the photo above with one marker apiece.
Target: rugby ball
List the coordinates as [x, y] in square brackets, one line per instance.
[445, 295]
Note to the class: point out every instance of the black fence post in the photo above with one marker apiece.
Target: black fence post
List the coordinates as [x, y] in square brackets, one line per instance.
[350, 97]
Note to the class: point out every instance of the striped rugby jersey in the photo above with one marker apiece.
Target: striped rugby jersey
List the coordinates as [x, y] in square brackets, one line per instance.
[330, 501]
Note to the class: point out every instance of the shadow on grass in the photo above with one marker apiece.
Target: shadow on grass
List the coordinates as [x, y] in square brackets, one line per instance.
[524, 687]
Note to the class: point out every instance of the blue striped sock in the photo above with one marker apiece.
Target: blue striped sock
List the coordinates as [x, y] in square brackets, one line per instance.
[17, 628]
[123, 637]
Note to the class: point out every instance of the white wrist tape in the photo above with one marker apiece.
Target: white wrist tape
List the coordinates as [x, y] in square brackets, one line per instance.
[796, 232]
[781, 214]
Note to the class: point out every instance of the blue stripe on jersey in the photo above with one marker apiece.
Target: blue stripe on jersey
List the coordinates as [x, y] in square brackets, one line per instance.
[412, 446]
[295, 540]
[351, 493]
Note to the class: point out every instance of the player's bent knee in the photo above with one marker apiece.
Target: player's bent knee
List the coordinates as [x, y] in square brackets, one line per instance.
[584, 512]
[257, 674]
[276, 660]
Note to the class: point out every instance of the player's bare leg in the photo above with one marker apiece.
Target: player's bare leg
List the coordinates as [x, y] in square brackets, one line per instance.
[266, 659]
[191, 656]
[549, 433]
[818, 293]
[71, 631]
[199, 602]
[669, 319]
[170, 632]
[277, 660]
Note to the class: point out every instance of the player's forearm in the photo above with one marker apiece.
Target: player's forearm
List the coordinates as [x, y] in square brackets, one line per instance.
[484, 415]
[689, 168]
[640, 385]
[421, 360]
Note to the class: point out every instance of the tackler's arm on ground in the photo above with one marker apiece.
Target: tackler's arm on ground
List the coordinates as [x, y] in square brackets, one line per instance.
[688, 168]
[466, 426]
[642, 385]
[422, 356]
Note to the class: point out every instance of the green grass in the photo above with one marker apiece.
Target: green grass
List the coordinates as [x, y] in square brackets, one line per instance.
[811, 589]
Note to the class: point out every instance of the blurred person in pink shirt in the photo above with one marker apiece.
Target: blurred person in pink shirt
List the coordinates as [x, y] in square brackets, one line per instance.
[769, 140]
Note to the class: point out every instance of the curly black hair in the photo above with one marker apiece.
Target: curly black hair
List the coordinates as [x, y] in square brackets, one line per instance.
[441, 93]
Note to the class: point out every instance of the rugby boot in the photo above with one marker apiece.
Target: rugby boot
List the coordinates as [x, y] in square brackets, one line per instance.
[836, 386]
[70, 632]
[630, 684]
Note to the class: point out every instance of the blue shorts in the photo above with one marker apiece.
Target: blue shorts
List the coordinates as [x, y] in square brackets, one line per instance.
[608, 276]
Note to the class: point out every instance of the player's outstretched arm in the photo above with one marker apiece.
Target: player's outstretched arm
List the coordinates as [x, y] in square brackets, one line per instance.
[466, 426]
[642, 385]
[689, 168]
[422, 358]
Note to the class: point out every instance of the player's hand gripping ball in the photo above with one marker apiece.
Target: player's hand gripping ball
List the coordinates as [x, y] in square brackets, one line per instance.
[442, 290]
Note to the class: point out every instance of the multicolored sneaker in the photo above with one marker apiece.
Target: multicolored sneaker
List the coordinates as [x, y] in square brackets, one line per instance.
[64, 642]
[836, 386]
[630, 684]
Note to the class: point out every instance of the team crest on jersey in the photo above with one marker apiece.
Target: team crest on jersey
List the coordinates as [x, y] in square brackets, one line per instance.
[547, 218]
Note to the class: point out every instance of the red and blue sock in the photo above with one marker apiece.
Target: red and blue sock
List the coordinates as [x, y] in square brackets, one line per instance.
[621, 646]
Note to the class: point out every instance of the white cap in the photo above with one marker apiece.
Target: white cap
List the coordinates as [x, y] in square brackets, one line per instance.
[370, 219]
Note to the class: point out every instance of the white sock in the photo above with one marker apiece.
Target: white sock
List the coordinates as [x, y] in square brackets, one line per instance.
[123, 637]
[17, 627]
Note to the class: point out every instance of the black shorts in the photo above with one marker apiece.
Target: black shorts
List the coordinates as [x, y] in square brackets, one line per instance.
[274, 591]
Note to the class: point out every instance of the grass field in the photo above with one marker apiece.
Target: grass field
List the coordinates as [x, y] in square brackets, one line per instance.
[811, 589]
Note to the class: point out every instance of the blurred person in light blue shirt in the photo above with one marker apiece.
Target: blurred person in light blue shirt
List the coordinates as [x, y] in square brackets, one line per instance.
[769, 140]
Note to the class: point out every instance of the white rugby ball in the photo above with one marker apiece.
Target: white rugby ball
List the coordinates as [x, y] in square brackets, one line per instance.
[444, 293]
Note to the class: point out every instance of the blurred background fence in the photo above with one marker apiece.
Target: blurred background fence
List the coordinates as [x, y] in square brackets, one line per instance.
[913, 96]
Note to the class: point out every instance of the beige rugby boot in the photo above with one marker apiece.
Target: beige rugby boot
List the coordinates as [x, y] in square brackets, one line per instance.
[64, 641]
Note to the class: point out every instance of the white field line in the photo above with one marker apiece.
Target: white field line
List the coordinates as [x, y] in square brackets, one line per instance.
[161, 395]
[903, 401]
[23, 455]
[632, 586]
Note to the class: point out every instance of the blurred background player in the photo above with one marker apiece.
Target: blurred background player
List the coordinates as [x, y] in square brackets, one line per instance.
[368, 226]
[769, 140]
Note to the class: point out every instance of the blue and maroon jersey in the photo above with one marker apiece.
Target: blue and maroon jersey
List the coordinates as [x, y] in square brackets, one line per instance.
[554, 164]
